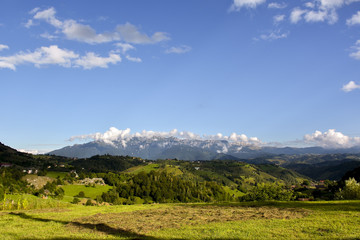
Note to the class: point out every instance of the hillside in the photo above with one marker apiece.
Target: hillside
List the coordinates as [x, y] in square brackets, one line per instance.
[234, 174]
[317, 167]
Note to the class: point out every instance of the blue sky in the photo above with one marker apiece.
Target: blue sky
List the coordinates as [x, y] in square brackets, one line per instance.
[281, 71]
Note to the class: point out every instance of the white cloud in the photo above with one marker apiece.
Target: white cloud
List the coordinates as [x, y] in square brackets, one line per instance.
[350, 86]
[74, 30]
[29, 23]
[356, 53]
[48, 36]
[179, 50]
[274, 35]
[91, 60]
[133, 59]
[296, 15]
[125, 47]
[84, 33]
[320, 11]
[53, 55]
[34, 10]
[319, 15]
[49, 16]
[310, 5]
[332, 139]
[2, 47]
[31, 151]
[278, 18]
[355, 19]
[7, 65]
[315, 16]
[277, 5]
[131, 34]
[114, 134]
[238, 4]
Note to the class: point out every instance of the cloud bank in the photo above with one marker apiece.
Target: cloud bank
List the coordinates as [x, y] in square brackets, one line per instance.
[329, 139]
[53, 55]
[124, 35]
[73, 30]
[332, 139]
[114, 134]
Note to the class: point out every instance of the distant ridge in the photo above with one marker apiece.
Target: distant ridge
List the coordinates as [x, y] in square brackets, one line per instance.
[185, 149]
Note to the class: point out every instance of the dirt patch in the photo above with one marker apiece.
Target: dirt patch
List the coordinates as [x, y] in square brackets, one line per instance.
[37, 181]
[141, 222]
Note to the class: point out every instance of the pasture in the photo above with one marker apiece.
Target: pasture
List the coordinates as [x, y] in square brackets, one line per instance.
[255, 220]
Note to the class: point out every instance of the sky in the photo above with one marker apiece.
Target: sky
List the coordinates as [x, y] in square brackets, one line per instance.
[273, 72]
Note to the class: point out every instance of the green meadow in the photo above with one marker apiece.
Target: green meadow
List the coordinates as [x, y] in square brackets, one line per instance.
[90, 192]
[251, 220]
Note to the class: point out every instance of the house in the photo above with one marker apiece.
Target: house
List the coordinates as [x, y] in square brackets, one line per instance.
[5, 165]
[30, 171]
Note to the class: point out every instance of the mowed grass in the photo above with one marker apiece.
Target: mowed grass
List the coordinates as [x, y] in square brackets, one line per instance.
[147, 168]
[90, 192]
[53, 174]
[269, 220]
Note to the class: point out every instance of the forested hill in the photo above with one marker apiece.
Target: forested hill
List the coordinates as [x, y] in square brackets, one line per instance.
[20, 159]
[226, 172]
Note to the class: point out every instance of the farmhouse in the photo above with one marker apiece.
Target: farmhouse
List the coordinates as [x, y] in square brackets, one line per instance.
[5, 165]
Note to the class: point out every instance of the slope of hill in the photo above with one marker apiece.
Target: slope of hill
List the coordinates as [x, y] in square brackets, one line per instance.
[14, 157]
[315, 166]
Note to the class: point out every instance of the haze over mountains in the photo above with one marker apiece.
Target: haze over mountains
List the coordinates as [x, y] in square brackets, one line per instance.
[157, 147]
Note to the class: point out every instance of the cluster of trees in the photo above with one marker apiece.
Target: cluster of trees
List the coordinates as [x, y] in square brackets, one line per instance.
[162, 187]
[351, 190]
[106, 162]
[10, 182]
[268, 191]
[51, 189]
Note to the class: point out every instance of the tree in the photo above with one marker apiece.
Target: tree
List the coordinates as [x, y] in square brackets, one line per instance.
[268, 191]
[88, 202]
[81, 194]
[351, 190]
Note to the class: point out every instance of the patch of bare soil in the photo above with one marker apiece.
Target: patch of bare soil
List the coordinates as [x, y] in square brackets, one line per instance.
[37, 181]
[141, 222]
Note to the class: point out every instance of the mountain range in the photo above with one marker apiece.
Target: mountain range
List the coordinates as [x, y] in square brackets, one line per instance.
[185, 149]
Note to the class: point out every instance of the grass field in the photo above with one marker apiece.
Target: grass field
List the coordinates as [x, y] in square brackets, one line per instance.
[90, 192]
[53, 174]
[269, 220]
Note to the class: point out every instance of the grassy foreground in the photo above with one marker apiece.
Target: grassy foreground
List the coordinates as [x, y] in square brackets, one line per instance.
[269, 220]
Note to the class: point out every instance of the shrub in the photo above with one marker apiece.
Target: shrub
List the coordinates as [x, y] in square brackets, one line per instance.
[81, 194]
[75, 200]
[351, 189]
[88, 202]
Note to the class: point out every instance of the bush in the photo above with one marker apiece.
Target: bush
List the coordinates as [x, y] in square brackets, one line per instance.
[351, 190]
[75, 200]
[81, 194]
[88, 202]
[138, 200]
